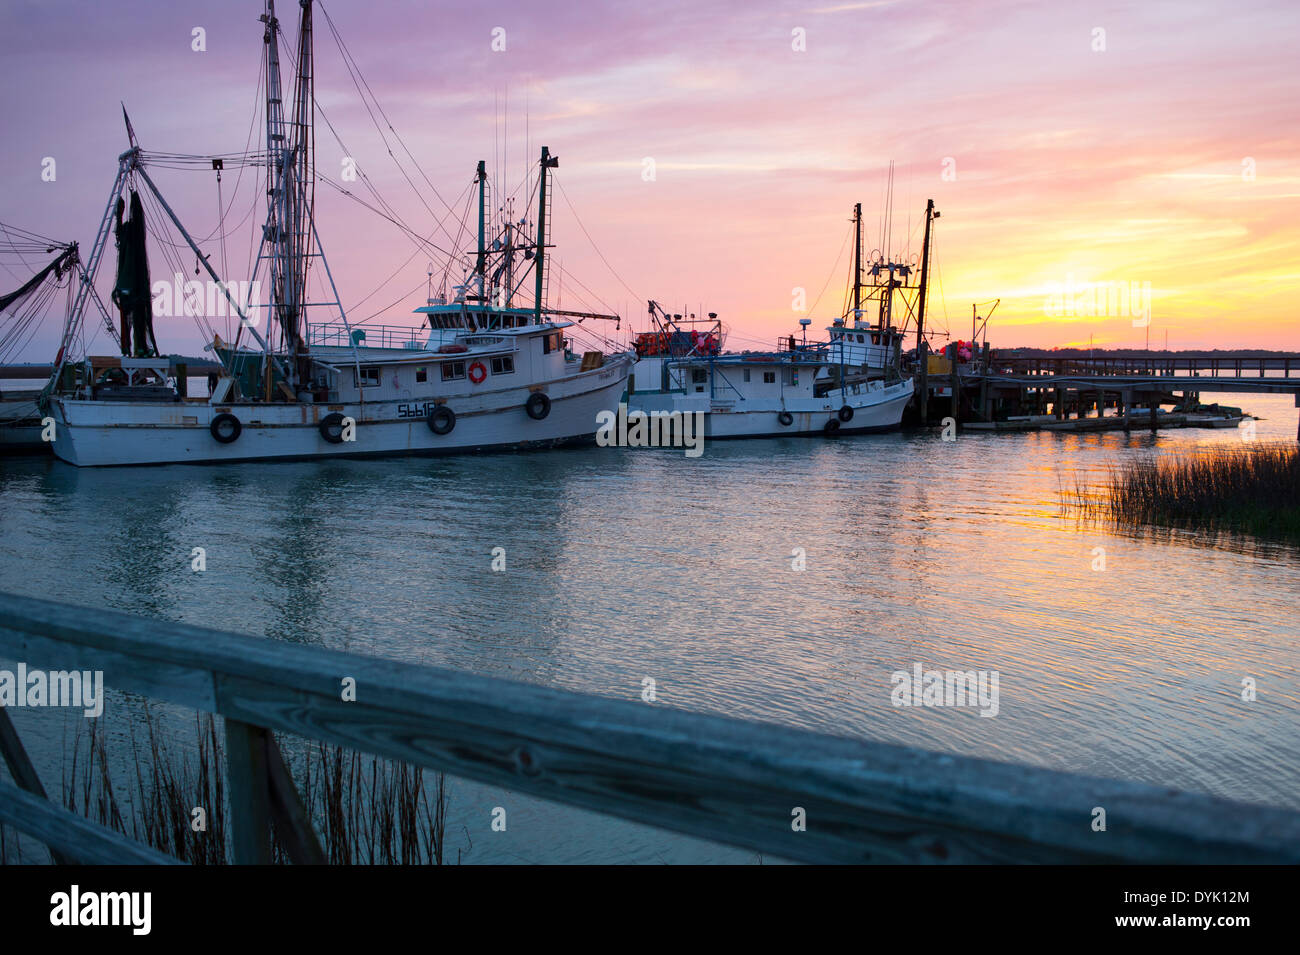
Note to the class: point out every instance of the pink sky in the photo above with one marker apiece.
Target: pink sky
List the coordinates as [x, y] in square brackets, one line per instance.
[1130, 164]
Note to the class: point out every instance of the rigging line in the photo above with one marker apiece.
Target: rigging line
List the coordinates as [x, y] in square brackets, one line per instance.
[397, 272]
[349, 59]
[595, 297]
[578, 219]
[369, 184]
[401, 225]
[390, 305]
[831, 274]
[365, 177]
[460, 231]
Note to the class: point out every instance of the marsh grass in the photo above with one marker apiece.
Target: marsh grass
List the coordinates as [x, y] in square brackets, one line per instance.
[1251, 490]
[365, 810]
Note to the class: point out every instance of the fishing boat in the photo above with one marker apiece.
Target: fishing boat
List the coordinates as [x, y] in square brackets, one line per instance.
[853, 383]
[681, 368]
[482, 372]
[862, 346]
[22, 313]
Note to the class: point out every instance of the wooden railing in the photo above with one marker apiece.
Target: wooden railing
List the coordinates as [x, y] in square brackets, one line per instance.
[736, 782]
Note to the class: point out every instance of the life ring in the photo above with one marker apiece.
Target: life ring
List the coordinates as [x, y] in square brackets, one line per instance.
[785, 418]
[331, 428]
[832, 426]
[225, 427]
[477, 373]
[538, 406]
[846, 413]
[441, 420]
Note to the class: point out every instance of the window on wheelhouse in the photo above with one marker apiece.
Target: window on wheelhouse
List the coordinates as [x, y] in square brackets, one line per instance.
[421, 375]
[369, 377]
[451, 370]
[769, 377]
[551, 342]
[504, 365]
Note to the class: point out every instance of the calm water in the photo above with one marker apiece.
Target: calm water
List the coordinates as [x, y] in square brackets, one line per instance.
[628, 564]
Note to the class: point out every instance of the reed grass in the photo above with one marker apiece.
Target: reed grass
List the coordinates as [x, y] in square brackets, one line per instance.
[1252, 490]
[365, 810]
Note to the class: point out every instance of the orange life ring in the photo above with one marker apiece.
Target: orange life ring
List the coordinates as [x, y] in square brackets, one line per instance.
[477, 373]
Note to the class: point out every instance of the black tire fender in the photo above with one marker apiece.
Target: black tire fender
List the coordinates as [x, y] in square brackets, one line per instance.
[441, 420]
[785, 418]
[832, 426]
[846, 413]
[226, 428]
[538, 406]
[331, 428]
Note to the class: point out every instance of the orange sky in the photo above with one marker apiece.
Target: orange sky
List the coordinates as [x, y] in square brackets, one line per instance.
[1169, 160]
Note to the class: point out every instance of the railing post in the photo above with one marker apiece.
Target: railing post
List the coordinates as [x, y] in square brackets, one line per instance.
[22, 770]
[250, 792]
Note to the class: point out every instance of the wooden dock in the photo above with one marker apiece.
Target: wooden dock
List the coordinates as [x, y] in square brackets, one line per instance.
[991, 389]
[735, 782]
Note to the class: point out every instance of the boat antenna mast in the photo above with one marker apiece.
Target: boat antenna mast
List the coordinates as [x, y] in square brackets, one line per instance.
[857, 262]
[539, 261]
[480, 262]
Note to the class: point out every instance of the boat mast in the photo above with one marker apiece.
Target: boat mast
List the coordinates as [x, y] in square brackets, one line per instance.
[930, 215]
[291, 173]
[480, 265]
[857, 262]
[548, 162]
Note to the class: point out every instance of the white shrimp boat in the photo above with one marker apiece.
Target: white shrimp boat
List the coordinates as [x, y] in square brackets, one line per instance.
[680, 369]
[482, 374]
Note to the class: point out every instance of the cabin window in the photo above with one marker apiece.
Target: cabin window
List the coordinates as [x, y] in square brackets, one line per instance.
[551, 343]
[421, 375]
[699, 376]
[861, 339]
[746, 374]
[451, 370]
[790, 376]
[369, 377]
[769, 378]
[505, 365]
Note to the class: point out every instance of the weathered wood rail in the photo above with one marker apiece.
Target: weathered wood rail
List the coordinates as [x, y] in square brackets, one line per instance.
[730, 781]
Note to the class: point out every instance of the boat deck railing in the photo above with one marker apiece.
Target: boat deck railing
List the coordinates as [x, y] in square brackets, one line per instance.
[786, 792]
[338, 335]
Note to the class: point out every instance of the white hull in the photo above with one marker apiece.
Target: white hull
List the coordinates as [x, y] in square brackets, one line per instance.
[109, 433]
[876, 407]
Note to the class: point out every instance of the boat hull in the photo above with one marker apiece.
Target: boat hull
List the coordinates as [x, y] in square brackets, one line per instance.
[20, 426]
[876, 408]
[111, 433]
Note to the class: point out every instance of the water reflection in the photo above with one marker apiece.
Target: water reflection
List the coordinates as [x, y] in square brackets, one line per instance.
[623, 565]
